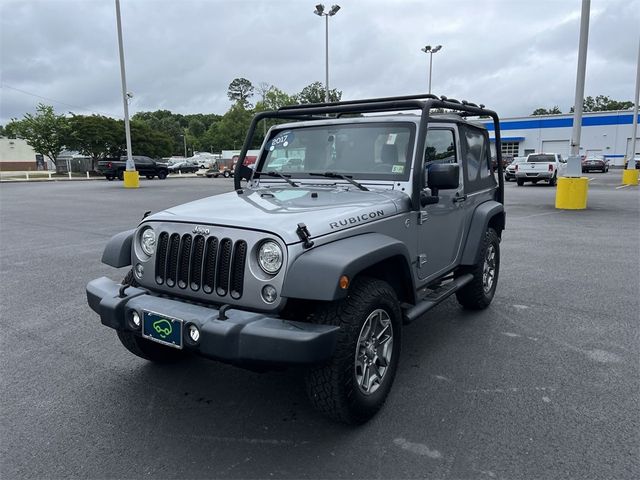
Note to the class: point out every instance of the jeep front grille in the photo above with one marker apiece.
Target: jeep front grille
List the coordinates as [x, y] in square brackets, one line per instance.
[197, 263]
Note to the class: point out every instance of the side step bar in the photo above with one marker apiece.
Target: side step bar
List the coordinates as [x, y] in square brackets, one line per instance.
[435, 298]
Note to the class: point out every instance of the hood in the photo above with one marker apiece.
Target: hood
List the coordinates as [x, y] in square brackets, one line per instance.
[279, 210]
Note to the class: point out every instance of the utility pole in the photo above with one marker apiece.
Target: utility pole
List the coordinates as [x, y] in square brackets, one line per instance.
[321, 13]
[572, 190]
[630, 173]
[131, 177]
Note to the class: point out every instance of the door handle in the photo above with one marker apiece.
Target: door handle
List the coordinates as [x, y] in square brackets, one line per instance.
[459, 198]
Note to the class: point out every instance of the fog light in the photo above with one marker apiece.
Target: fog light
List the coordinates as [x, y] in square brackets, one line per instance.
[135, 319]
[269, 293]
[139, 270]
[194, 333]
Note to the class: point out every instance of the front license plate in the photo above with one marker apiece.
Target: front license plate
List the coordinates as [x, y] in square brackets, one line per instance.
[162, 329]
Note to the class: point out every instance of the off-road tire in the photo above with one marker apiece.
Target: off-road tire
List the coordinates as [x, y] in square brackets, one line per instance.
[554, 180]
[519, 182]
[162, 174]
[332, 387]
[146, 349]
[474, 296]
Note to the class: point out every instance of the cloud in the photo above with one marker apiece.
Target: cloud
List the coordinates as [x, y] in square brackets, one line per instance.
[512, 56]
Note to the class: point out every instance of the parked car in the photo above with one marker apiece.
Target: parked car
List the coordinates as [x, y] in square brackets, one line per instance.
[215, 171]
[184, 167]
[319, 268]
[595, 163]
[541, 167]
[636, 159]
[114, 168]
[510, 170]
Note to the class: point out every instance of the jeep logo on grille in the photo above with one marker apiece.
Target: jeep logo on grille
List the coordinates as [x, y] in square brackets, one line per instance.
[201, 231]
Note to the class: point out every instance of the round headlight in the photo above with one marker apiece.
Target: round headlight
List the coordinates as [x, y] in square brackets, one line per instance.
[148, 241]
[270, 257]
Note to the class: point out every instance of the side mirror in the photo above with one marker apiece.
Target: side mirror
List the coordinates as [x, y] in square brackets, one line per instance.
[443, 176]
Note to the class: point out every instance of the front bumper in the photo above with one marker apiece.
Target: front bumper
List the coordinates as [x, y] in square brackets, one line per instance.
[242, 338]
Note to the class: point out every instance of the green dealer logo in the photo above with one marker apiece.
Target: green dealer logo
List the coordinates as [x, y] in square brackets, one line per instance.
[163, 327]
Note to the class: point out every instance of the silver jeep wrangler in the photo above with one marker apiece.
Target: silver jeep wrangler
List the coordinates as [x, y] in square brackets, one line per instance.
[354, 221]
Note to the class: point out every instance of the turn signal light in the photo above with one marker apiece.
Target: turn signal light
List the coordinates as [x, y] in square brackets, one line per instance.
[344, 282]
[516, 167]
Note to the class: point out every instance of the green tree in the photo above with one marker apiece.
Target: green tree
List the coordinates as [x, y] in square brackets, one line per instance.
[95, 136]
[240, 90]
[315, 92]
[230, 131]
[603, 103]
[46, 132]
[544, 111]
[196, 127]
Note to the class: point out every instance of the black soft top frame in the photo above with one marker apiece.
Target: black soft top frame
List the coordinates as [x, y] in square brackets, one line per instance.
[424, 102]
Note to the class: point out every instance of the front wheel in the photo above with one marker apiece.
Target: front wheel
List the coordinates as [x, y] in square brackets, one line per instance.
[520, 182]
[354, 384]
[227, 174]
[162, 174]
[478, 293]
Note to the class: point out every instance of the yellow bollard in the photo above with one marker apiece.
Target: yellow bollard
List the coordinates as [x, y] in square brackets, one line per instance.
[131, 179]
[630, 177]
[571, 193]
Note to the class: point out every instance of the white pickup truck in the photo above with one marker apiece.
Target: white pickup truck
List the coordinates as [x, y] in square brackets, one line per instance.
[539, 167]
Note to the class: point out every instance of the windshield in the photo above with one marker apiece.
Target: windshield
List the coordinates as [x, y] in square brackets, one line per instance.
[541, 158]
[378, 151]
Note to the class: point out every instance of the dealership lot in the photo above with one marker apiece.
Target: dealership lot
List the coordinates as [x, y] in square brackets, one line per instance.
[543, 384]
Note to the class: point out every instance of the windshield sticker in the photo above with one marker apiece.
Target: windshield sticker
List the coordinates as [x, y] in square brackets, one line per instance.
[397, 169]
[391, 138]
[282, 140]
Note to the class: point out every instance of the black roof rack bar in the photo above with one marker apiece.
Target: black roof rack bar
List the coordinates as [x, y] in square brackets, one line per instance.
[423, 96]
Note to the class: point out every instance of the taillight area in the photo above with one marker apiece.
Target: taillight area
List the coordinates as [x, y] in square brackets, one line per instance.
[109, 165]
[551, 167]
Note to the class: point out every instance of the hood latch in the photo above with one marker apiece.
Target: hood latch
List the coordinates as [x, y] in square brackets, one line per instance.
[304, 235]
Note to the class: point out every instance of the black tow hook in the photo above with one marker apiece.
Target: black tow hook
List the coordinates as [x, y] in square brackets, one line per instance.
[123, 287]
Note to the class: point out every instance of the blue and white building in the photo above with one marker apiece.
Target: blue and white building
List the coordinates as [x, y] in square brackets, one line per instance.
[607, 134]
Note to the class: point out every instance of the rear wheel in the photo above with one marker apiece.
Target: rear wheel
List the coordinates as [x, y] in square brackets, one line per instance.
[150, 177]
[109, 177]
[143, 348]
[121, 175]
[354, 384]
[162, 174]
[477, 294]
[553, 180]
[226, 174]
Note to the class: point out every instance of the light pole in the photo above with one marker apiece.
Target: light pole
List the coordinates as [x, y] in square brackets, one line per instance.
[321, 13]
[184, 140]
[431, 50]
[630, 174]
[131, 177]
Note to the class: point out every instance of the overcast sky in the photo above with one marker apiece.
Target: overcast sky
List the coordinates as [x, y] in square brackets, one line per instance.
[512, 55]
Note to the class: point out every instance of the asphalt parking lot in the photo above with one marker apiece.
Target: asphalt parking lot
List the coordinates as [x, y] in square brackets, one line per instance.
[543, 384]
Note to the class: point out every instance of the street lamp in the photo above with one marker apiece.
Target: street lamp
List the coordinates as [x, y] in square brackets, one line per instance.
[321, 13]
[431, 50]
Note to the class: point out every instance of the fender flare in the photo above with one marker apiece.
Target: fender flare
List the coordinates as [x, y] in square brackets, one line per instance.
[482, 215]
[314, 275]
[117, 252]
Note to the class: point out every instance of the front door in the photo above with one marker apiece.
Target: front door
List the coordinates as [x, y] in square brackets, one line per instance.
[440, 226]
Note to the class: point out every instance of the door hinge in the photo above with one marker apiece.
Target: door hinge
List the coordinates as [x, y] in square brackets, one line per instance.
[422, 260]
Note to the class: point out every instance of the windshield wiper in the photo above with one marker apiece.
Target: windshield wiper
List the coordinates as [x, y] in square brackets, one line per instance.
[343, 177]
[280, 175]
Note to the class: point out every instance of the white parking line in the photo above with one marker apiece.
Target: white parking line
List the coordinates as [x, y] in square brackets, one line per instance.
[592, 178]
[622, 186]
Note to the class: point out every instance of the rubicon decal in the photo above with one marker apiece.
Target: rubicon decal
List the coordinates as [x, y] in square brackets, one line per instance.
[357, 219]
